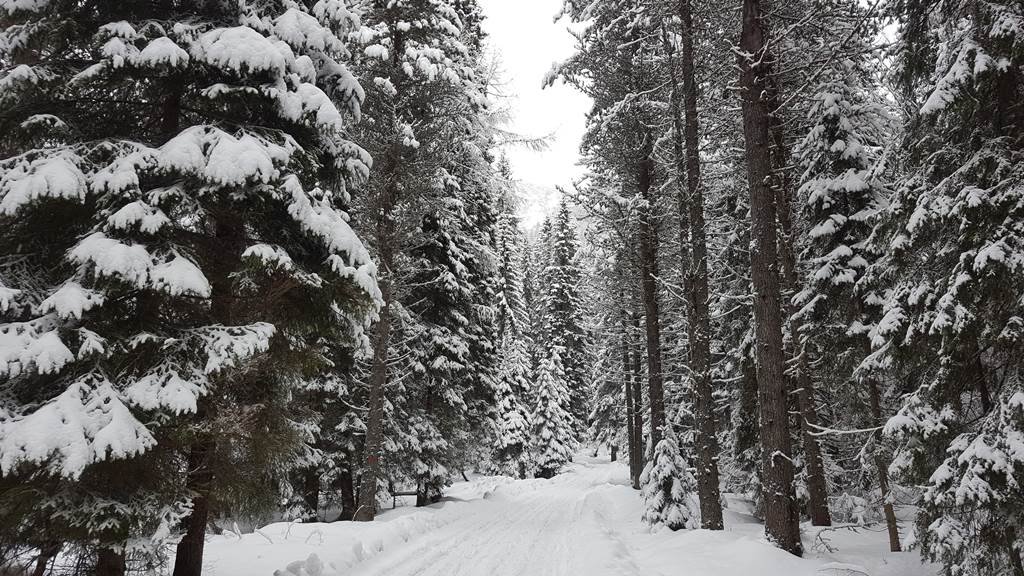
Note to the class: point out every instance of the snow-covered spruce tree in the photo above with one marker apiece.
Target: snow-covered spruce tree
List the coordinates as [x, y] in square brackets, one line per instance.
[424, 101]
[514, 381]
[563, 313]
[667, 486]
[511, 452]
[976, 496]
[843, 188]
[175, 254]
[552, 439]
[952, 330]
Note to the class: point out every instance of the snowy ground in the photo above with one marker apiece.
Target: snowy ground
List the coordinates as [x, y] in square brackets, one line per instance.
[584, 522]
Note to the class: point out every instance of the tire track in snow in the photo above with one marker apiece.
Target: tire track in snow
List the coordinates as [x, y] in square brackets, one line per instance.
[547, 531]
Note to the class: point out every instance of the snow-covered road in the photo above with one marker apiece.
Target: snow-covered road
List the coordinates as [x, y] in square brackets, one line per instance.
[584, 522]
[536, 527]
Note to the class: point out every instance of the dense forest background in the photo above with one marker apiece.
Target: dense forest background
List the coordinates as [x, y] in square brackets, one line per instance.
[261, 260]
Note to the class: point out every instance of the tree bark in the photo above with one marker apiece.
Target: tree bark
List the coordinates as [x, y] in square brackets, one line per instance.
[649, 292]
[638, 408]
[882, 469]
[346, 486]
[781, 518]
[311, 493]
[47, 552]
[367, 508]
[696, 265]
[817, 488]
[613, 452]
[230, 236]
[628, 390]
[111, 563]
[188, 558]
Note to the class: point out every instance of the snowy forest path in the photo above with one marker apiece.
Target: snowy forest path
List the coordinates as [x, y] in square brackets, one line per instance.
[537, 527]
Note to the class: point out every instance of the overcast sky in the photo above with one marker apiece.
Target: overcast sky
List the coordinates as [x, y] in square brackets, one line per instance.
[527, 42]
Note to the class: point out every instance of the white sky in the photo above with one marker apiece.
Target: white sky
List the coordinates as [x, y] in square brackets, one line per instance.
[527, 42]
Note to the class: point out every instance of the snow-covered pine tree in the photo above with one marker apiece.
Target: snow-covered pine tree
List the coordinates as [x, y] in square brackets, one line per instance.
[952, 330]
[552, 440]
[175, 253]
[668, 487]
[514, 381]
[975, 497]
[511, 452]
[563, 313]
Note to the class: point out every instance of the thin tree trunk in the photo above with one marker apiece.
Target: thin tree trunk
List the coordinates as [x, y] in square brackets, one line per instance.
[311, 493]
[781, 518]
[230, 236]
[188, 558]
[47, 553]
[882, 469]
[649, 293]
[638, 408]
[1013, 552]
[613, 452]
[111, 563]
[816, 487]
[696, 266]
[628, 390]
[346, 486]
[367, 507]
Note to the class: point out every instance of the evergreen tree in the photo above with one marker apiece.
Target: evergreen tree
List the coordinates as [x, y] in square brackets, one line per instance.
[562, 313]
[511, 452]
[951, 326]
[552, 441]
[176, 253]
[667, 487]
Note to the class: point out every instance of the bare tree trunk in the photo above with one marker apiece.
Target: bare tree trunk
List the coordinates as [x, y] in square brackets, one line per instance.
[188, 558]
[649, 293]
[882, 469]
[816, 487]
[696, 266]
[638, 408]
[1013, 552]
[112, 563]
[613, 452]
[311, 492]
[367, 508]
[781, 518]
[47, 553]
[231, 236]
[628, 391]
[346, 486]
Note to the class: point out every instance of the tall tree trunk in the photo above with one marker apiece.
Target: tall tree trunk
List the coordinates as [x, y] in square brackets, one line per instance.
[638, 410]
[111, 563]
[882, 469]
[649, 291]
[230, 238]
[346, 486]
[628, 391]
[188, 558]
[311, 493]
[367, 507]
[47, 553]
[817, 506]
[781, 517]
[696, 266]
